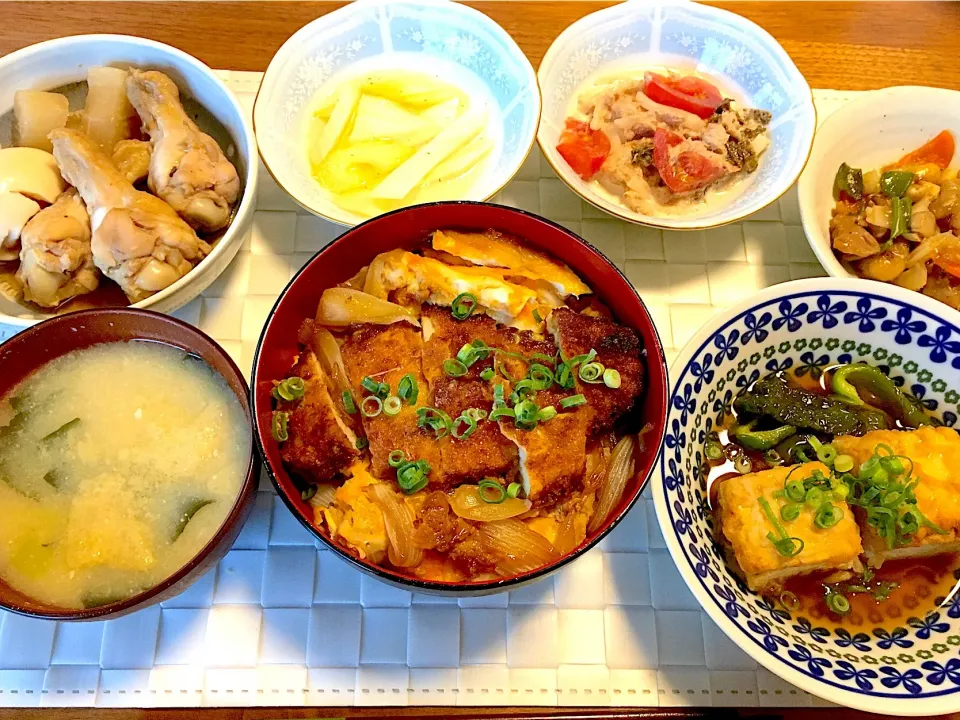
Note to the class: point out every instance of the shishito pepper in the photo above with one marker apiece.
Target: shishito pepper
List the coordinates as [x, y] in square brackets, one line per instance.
[850, 181]
[849, 380]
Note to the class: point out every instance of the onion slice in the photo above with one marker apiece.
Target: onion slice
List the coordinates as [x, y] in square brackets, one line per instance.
[520, 548]
[619, 471]
[324, 496]
[398, 518]
[327, 348]
[341, 307]
[467, 503]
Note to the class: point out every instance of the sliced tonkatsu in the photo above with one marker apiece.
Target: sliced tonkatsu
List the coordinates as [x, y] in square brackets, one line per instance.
[617, 348]
[320, 444]
[386, 354]
[484, 451]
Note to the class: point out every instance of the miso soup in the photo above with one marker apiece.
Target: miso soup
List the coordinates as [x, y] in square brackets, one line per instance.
[118, 464]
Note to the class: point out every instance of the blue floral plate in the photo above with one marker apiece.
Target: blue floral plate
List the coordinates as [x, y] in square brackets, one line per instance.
[806, 325]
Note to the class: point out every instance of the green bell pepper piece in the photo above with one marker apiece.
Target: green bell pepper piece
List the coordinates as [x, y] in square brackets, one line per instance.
[900, 211]
[850, 181]
[894, 183]
[848, 380]
[761, 439]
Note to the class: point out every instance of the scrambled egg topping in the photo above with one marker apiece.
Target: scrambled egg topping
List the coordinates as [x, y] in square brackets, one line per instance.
[355, 517]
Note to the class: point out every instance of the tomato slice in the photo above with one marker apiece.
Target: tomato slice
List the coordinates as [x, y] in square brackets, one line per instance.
[685, 172]
[685, 92]
[583, 148]
[938, 151]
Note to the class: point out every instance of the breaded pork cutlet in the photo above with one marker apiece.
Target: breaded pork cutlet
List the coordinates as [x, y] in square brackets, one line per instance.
[553, 456]
[485, 452]
[320, 445]
[385, 353]
[745, 526]
[617, 347]
[935, 457]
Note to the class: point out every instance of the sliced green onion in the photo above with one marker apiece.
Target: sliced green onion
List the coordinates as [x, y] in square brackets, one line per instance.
[789, 600]
[308, 492]
[513, 489]
[471, 426]
[392, 405]
[795, 490]
[536, 316]
[814, 442]
[773, 519]
[434, 419]
[279, 426]
[498, 394]
[827, 454]
[541, 376]
[841, 491]
[611, 378]
[573, 401]
[371, 406]
[742, 464]
[788, 546]
[476, 414]
[527, 413]
[545, 359]
[472, 352]
[491, 492]
[362, 443]
[772, 458]
[843, 463]
[487, 374]
[383, 390]
[522, 389]
[454, 368]
[564, 377]
[408, 389]
[790, 511]
[370, 385]
[838, 603]
[463, 306]
[547, 413]
[592, 373]
[291, 389]
[814, 497]
[348, 404]
[502, 412]
[412, 476]
[713, 450]
[827, 516]
[396, 458]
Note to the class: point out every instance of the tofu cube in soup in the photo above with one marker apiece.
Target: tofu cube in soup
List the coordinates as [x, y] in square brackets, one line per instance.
[320, 444]
[745, 527]
[934, 462]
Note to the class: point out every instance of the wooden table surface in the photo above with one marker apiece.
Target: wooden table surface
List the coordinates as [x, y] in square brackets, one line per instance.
[839, 45]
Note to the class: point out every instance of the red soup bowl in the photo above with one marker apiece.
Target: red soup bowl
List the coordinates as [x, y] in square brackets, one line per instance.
[406, 228]
[27, 352]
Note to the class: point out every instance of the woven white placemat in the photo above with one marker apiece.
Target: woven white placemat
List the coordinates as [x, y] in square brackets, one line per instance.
[282, 621]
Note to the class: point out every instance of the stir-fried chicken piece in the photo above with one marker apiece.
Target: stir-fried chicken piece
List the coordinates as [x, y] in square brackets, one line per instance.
[385, 354]
[617, 347]
[320, 445]
[188, 169]
[486, 452]
[56, 262]
[132, 158]
[139, 242]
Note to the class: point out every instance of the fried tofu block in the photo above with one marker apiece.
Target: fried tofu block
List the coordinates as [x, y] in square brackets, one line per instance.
[744, 529]
[617, 347]
[553, 456]
[321, 445]
[486, 452]
[935, 453]
[386, 353]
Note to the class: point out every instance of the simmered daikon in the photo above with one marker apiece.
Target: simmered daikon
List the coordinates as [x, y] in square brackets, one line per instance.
[394, 138]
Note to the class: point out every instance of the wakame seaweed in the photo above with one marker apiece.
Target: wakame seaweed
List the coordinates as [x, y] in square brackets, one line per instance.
[190, 508]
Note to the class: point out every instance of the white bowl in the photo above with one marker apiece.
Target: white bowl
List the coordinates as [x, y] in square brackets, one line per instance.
[874, 130]
[686, 36]
[418, 34]
[55, 63]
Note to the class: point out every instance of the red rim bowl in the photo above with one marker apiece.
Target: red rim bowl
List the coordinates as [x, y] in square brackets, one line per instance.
[27, 352]
[404, 229]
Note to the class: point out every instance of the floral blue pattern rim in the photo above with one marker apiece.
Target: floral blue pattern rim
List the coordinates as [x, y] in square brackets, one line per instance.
[822, 305]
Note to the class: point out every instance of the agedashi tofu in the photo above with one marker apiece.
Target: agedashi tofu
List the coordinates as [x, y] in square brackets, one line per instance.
[745, 527]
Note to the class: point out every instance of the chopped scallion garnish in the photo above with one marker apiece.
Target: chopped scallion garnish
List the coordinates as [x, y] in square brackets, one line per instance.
[279, 426]
[487, 375]
[348, 404]
[362, 443]
[413, 476]
[547, 413]
[536, 316]
[391, 405]
[371, 406]
[513, 489]
[491, 492]
[573, 401]
[370, 385]
[454, 368]
[407, 389]
[838, 603]
[592, 372]
[463, 306]
[291, 389]
[611, 378]
[396, 458]
[434, 419]
[463, 427]
[540, 376]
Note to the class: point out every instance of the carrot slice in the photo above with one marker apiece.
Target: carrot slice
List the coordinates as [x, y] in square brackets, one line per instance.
[952, 268]
[938, 151]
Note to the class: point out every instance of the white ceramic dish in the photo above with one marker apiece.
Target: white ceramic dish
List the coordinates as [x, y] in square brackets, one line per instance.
[685, 36]
[453, 39]
[55, 63]
[874, 130]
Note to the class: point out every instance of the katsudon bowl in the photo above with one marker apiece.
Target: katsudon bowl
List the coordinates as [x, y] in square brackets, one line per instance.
[894, 657]
[407, 229]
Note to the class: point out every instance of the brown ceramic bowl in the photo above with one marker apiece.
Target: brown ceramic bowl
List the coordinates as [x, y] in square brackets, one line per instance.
[27, 352]
[406, 228]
